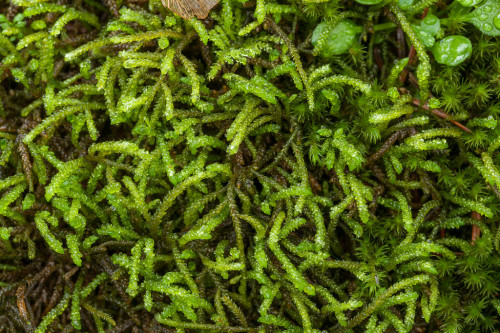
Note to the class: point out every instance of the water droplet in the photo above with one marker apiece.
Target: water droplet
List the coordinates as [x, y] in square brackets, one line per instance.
[487, 27]
[496, 21]
[483, 17]
[487, 9]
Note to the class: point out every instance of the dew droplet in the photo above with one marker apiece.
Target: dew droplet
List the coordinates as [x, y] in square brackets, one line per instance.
[487, 27]
[487, 9]
[483, 17]
[496, 21]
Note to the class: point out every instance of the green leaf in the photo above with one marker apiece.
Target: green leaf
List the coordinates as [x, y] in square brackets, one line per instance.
[339, 39]
[486, 17]
[369, 2]
[431, 24]
[405, 4]
[426, 38]
[452, 50]
[469, 3]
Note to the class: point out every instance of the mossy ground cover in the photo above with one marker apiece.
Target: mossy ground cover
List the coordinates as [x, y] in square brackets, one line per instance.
[279, 166]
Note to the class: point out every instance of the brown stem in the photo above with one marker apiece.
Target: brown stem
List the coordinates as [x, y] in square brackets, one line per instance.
[378, 58]
[439, 113]
[476, 231]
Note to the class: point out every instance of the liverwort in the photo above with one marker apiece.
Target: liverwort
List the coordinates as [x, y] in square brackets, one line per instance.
[452, 50]
[340, 38]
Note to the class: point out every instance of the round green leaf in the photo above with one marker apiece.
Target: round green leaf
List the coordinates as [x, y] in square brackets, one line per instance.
[469, 3]
[452, 50]
[405, 4]
[426, 38]
[368, 2]
[339, 40]
[431, 24]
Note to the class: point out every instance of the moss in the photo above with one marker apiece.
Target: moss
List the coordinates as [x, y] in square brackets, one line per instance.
[231, 175]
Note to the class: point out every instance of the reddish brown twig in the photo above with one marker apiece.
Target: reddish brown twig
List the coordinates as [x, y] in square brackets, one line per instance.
[437, 112]
[385, 147]
[378, 58]
[476, 231]
[21, 304]
[442, 114]
[400, 36]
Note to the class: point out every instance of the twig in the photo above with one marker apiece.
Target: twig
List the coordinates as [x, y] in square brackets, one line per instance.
[476, 231]
[437, 112]
[442, 114]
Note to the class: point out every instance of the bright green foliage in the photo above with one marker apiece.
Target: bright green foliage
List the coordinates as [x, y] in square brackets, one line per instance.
[41, 220]
[423, 69]
[280, 166]
[76, 255]
[368, 2]
[452, 50]
[338, 39]
[54, 313]
[486, 16]
[75, 304]
[5, 233]
[431, 24]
